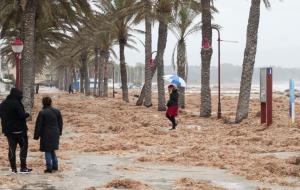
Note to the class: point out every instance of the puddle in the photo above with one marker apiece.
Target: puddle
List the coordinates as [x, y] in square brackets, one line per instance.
[197, 127]
[281, 155]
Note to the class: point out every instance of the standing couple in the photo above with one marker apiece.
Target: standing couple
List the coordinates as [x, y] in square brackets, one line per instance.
[48, 128]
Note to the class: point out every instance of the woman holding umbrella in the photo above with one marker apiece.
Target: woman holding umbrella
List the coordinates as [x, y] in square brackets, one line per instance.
[172, 105]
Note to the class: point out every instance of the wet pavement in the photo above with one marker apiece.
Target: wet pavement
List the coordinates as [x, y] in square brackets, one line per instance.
[91, 170]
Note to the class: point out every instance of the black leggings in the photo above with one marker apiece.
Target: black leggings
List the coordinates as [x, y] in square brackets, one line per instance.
[172, 119]
[13, 141]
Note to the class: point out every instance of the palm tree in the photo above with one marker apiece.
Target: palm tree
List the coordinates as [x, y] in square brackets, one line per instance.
[28, 59]
[31, 11]
[121, 26]
[182, 27]
[84, 62]
[163, 13]
[96, 67]
[249, 59]
[164, 10]
[145, 13]
[205, 108]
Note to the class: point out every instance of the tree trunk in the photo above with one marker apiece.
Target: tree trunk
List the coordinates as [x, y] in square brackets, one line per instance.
[74, 79]
[205, 108]
[86, 73]
[123, 70]
[60, 78]
[70, 76]
[29, 55]
[82, 76]
[105, 88]
[161, 46]
[148, 57]
[96, 64]
[142, 95]
[101, 74]
[181, 65]
[66, 78]
[249, 61]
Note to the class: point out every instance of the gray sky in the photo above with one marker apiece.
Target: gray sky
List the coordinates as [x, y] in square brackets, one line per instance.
[278, 43]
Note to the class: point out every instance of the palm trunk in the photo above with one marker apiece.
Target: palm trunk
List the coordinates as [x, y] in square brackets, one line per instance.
[29, 55]
[65, 78]
[142, 95]
[123, 70]
[105, 90]
[70, 75]
[205, 108]
[181, 64]
[86, 73]
[101, 74]
[161, 46]
[82, 76]
[96, 64]
[249, 61]
[60, 79]
[74, 79]
[148, 57]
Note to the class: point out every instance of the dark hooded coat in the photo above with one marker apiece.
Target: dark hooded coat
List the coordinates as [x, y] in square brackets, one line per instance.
[12, 113]
[48, 127]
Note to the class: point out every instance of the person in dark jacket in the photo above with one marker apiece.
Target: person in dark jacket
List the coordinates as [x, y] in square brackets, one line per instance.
[48, 128]
[37, 88]
[172, 105]
[13, 121]
[71, 89]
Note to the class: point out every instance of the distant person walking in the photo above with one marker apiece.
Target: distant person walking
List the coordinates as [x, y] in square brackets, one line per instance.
[13, 120]
[71, 89]
[37, 88]
[48, 128]
[172, 105]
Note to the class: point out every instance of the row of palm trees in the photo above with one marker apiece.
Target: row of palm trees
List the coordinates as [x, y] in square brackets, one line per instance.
[71, 34]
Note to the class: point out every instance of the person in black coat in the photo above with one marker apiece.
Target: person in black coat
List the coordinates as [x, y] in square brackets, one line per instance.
[48, 127]
[71, 89]
[37, 88]
[13, 121]
[172, 105]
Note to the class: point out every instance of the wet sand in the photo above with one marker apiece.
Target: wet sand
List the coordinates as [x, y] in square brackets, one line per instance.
[102, 128]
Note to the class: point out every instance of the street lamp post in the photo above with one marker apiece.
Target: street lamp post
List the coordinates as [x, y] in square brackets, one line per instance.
[17, 47]
[219, 74]
[207, 46]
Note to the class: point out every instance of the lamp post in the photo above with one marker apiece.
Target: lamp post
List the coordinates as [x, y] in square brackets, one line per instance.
[206, 45]
[17, 47]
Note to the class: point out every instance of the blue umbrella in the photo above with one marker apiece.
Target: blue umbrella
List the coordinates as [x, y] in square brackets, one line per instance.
[176, 80]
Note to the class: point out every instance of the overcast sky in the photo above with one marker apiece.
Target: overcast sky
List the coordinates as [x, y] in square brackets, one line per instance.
[278, 43]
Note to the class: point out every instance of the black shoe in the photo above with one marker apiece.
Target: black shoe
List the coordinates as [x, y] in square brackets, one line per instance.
[55, 168]
[48, 171]
[25, 170]
[14, 171]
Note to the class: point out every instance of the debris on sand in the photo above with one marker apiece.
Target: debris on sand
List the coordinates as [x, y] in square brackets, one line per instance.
[110, 126]
[8, 182]
[127, 184]
[191, 184]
